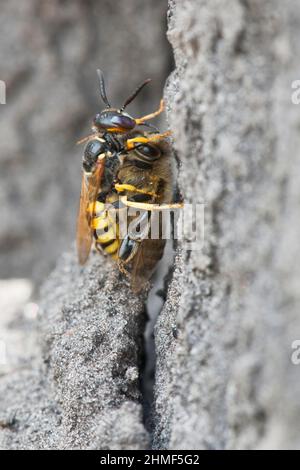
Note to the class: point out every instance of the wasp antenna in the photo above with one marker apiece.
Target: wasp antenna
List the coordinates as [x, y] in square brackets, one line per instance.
[102, 88]
[135, 93]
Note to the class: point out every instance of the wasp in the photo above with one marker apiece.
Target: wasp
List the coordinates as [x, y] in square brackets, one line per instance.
[128, 170]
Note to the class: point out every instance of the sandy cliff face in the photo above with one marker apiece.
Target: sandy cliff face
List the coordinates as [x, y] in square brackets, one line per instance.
[226, 380]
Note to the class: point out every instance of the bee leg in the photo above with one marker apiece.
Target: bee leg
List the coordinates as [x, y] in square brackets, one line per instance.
[152, 115]
[127, 250]
[130, 143]
[122, 268]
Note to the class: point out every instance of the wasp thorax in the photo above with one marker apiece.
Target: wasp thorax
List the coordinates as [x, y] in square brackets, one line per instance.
[114, 120]
[92, 150]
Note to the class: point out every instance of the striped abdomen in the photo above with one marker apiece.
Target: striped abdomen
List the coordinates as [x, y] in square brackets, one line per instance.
[106, 229]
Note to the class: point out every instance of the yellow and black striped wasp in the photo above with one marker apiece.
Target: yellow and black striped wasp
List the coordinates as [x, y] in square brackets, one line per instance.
[124, 169]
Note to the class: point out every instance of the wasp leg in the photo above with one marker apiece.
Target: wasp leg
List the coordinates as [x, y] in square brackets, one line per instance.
[150, 207]
[130, 143]
[85, 139]
[129, 187]
[152, 115]
[158, 137]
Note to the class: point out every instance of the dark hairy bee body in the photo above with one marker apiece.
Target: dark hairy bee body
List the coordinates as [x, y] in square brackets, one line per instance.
[143, 177]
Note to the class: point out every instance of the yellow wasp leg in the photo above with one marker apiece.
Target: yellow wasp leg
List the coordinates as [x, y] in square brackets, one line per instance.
[152, 115]
[129, 187]
[150, 207]
[144, 140]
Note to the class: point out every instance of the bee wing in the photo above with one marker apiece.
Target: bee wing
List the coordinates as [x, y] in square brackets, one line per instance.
[90, 185]
[145, 260]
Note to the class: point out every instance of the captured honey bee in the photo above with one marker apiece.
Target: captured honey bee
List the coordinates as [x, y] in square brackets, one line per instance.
[128, 171]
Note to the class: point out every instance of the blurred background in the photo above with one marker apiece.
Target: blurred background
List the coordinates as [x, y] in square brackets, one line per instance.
[49, 54]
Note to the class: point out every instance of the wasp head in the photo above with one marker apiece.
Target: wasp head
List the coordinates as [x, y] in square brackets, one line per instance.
[111, 119]
[114, 120]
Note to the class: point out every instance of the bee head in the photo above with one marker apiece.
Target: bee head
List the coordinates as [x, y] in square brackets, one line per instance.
[111, 119]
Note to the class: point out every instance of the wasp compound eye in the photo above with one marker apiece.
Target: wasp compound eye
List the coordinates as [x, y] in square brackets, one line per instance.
[148, 152]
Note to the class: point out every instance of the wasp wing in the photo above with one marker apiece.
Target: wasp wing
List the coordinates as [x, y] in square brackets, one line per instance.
[90, 186]
[149, 252]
